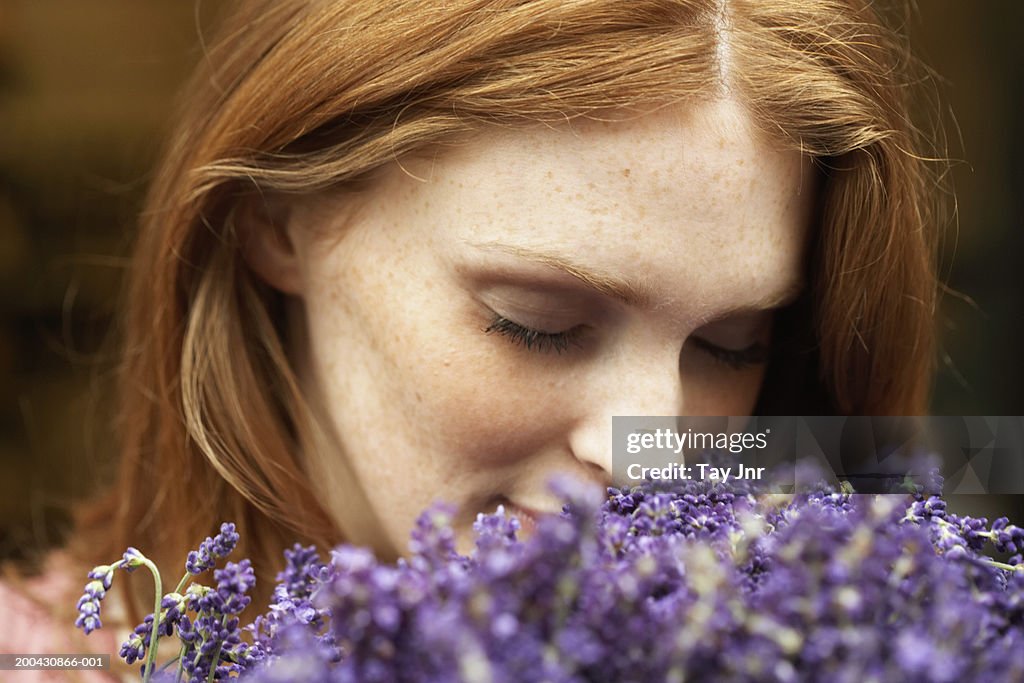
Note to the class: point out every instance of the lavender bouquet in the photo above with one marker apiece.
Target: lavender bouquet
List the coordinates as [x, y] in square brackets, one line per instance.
[700, 581]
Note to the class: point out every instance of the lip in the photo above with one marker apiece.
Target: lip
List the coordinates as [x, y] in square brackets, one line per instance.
[527, 517]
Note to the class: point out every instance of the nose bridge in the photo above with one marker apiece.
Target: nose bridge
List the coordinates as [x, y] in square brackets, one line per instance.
[651, 385]
[637, 384]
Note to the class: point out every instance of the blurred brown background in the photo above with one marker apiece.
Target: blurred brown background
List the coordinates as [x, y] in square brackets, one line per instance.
[85, 95]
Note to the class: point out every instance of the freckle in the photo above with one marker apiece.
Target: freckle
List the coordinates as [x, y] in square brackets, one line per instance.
[419, 397]
[558, 188]
[625, 172]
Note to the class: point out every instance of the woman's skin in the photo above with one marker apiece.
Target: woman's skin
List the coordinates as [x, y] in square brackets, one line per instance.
[644, 246]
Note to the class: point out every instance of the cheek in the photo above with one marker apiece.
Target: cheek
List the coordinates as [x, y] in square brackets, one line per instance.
[425, 407]
[482, 400]
[426, 404]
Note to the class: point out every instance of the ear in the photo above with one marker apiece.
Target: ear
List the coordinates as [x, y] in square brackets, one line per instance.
[264, 229]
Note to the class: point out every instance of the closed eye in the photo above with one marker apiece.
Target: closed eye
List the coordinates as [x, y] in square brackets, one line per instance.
[737, 359]
[535, 340]
[559, 342]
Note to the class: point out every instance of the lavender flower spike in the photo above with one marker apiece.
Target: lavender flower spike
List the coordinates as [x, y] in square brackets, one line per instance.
[212, 549]
[89, 604]
[132, 560]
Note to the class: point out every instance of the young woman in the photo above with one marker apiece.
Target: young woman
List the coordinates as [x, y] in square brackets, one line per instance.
[419, 250]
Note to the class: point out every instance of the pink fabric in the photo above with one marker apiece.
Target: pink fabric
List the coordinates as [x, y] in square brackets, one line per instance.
[37, 617]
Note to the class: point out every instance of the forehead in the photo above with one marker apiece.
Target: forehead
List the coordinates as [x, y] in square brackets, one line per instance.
[691, 199]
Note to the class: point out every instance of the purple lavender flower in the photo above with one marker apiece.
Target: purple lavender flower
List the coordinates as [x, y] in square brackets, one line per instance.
[212, 635]
[702, 581]
[292, 610]
[132, 560]
[172, 615]
[212, 549]
[89, 604]
[134, 649]
[233, 582]
[301, 657]
[212, 640]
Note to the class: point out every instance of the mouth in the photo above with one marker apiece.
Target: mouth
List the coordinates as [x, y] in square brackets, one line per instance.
[527, 516]
[527, 519]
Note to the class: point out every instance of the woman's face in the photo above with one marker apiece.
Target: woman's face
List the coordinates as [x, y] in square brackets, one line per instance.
[485, 313]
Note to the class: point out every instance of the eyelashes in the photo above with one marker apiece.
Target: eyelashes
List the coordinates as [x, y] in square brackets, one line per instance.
[560, 342]
[535, 340]
[737, 359]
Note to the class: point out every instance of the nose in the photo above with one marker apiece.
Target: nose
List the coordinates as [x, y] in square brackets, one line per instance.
[639, 386]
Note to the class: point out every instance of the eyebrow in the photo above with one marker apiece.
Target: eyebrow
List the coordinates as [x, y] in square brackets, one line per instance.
[637, 293]
[789, 294]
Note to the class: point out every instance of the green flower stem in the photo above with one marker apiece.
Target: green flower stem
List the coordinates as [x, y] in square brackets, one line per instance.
[154, 635]
[216, 655]
[1003, 565]
[181, 664]
[181, 654]
[199, 651]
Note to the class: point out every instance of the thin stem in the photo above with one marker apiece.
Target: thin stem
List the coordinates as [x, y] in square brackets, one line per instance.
[169, 662]
[181, 664]
[1003, 565]
[216, 655]
[199, 651]
[154, 635]
[181, 654]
